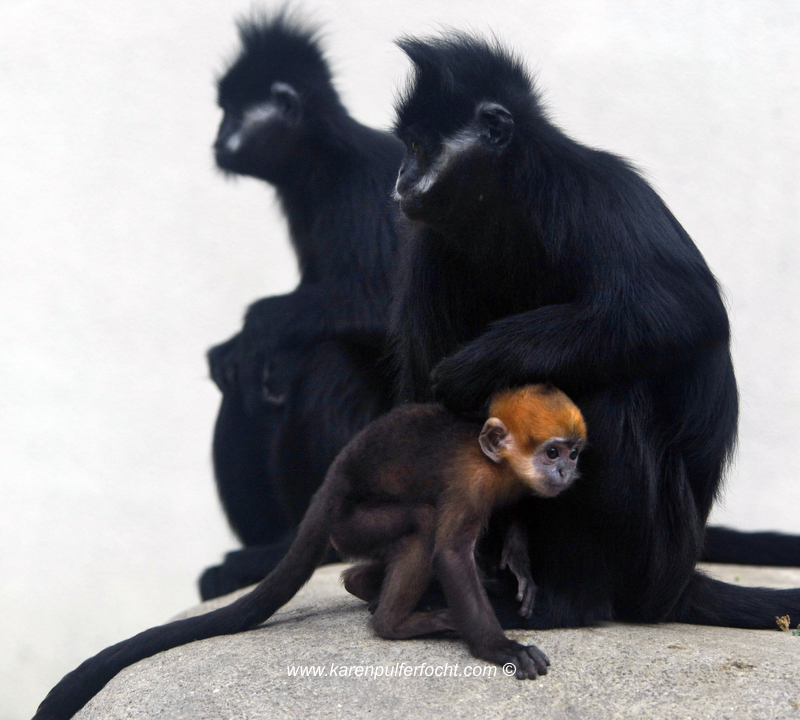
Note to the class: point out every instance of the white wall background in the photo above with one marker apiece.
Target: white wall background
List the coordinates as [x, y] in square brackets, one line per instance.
[125, 255]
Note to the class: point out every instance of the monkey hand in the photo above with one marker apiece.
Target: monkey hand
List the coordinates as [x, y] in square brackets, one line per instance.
[264, 384]
[223, 363]
[226, 361]
[263, 337]
[527, 660]
[254, 375]
[465, 380]
[515, 557]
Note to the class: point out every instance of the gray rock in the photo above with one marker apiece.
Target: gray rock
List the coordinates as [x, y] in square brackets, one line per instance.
[616, 671]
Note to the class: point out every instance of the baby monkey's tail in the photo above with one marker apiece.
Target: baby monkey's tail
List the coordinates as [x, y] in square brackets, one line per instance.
[274, 591]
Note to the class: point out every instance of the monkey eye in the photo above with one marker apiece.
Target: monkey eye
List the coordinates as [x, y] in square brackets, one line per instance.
[573, 455]
[552, 452]
[417, 150]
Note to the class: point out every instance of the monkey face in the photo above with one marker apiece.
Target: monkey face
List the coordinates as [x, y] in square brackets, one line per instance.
[555, 465]
[257, 139]
[442, 180]
[547, 467]
[456, 142]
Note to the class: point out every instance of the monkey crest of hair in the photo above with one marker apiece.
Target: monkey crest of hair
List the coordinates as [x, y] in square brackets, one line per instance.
[456, 72]
[538, 411]
[279, 46]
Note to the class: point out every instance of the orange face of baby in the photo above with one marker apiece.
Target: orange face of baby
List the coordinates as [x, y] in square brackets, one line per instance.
[539, 433]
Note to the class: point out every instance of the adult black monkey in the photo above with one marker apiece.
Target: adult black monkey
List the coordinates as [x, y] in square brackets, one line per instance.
[533, 258]
[304, 374]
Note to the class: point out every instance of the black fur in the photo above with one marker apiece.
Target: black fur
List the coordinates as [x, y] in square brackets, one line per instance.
[550, 261]
[306, 372]
[724, 545]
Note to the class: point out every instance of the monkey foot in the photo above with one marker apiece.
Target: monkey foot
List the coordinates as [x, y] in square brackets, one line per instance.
[528, 661]
[364, 581]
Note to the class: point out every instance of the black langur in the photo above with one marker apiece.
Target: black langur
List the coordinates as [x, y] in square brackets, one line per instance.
[533, 258]
[305, 373]
[411, 493]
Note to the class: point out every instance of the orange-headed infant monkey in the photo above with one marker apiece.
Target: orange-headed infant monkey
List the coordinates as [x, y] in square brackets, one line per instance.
[411, 493]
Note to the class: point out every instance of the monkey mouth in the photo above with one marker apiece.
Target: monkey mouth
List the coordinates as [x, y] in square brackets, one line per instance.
[224, 158]
[422, 208]
[551, 488]
[410, 204]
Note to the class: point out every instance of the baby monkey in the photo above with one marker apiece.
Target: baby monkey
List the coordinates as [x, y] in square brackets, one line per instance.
[415, 493]
[411, 493]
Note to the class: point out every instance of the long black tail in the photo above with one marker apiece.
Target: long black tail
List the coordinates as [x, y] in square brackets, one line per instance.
[706, 601]
[280, 586]
[724, 545]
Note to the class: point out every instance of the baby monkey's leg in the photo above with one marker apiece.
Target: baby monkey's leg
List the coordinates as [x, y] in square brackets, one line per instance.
[365, 580]
[408, 573]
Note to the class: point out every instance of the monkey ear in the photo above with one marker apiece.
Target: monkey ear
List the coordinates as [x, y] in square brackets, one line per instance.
[494, 438]
[496, 124]
[286, 99]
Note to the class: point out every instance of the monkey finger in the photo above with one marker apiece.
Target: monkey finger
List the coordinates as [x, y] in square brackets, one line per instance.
[527, 668]
[251, 372]
[528, 601]
[268, 394]
[538, 655]
[275, 400]
[539, 658]
[505, 557]
[530, 662]
[522, 585]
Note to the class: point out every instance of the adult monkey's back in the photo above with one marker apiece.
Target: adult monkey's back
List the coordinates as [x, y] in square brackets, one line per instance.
[533, 258]
[304, 373]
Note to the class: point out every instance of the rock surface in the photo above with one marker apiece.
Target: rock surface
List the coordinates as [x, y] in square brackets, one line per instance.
[616, 671]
